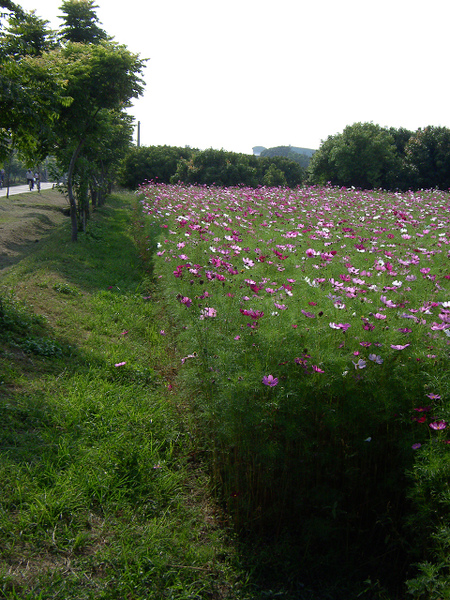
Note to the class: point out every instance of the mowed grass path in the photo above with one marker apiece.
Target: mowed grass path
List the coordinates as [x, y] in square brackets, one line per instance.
[101, 493]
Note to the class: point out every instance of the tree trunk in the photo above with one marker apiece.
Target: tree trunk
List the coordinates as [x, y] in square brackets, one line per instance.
[72, 202]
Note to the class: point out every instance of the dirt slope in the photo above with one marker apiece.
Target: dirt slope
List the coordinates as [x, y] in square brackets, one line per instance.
[25, 219]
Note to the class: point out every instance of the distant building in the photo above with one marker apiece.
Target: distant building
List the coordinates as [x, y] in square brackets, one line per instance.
[258, 149]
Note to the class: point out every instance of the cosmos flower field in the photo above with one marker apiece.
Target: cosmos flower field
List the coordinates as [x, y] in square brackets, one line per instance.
[314, 325]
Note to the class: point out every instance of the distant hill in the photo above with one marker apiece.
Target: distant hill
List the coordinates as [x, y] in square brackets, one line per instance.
[258, 149]
[308, 151]
[299, 155]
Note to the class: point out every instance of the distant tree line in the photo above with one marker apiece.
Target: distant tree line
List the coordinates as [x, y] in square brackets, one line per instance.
[169, 164]
[368, 156]
[364, 155]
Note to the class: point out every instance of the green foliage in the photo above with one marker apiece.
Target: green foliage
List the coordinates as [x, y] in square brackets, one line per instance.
[274, 177]
[151, 163]
[428, 158]
[429, 521]
[364, 155]
[368, 156]
[292, 172]
[218, 167]
[80, 22]
[68, 97]
[26, 35]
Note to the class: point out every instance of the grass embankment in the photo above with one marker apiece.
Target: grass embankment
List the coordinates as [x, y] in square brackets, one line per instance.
[101, 497]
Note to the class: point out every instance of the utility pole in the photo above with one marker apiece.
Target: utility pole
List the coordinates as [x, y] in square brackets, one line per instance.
[139, 134]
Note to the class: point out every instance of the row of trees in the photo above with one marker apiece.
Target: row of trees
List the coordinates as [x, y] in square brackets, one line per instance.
[364, 155]
[368, 156]
[169, 164]
[65, 93]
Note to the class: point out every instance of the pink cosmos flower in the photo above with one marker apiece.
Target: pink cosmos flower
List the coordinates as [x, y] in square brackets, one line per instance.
[280, 306]
[254, 314]
[387, 302]
[186, 301]
[416, 446]
[399, 346]
[379, 316]
[433, 396]
[343, 326]
[208, 313]
[120, 364]
[317, 370]
[438, 425]
[270, 380]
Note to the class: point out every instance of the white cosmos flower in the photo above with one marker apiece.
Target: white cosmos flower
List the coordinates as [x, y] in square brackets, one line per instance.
[397, 283]
[311, 283]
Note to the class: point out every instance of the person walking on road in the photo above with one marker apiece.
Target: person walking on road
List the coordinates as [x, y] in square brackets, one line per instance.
[30, 179]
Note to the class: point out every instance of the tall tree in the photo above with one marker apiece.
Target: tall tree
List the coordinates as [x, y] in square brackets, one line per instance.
[30, 96]
[11, 7]
[428, 157]
[363, 155]
[80, 22]
[26, 35]
[104, 76]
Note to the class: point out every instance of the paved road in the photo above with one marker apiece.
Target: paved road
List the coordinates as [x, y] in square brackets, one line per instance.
[21, 189]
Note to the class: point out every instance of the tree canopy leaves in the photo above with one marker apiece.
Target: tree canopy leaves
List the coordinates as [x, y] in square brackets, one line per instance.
[368, 156]
[80, 22]
[66, 94]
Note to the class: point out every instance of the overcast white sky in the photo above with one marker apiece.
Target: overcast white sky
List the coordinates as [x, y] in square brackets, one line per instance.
[235, 74]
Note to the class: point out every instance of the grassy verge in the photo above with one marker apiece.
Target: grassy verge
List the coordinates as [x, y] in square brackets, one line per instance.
[101, 494]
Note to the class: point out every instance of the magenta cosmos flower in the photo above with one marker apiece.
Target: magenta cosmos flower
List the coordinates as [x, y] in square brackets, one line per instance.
[270, 380]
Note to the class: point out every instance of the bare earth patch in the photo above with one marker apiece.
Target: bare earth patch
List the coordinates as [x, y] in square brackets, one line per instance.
[25, 219]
